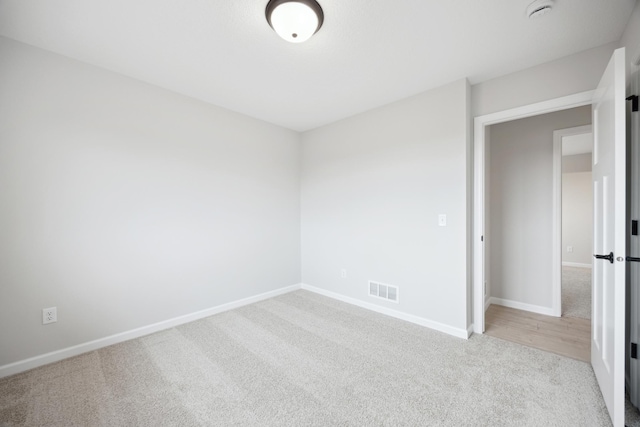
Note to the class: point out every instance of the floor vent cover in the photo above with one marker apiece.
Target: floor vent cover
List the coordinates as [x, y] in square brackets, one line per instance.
[381, 290]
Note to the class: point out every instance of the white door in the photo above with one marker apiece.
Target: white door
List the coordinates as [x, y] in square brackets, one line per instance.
[609, 198]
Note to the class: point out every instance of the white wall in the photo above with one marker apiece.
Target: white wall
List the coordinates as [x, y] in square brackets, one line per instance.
[565, 76]
[124, 204]
[631, 41]
[521, 154]
[577, 218]
[372, 188]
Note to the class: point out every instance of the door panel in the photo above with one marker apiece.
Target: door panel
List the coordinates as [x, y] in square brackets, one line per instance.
[609, 186]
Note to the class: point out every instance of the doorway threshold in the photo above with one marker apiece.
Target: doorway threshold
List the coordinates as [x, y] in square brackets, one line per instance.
[566, 336]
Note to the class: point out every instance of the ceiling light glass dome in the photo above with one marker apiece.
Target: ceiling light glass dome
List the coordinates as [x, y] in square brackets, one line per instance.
[295, 20]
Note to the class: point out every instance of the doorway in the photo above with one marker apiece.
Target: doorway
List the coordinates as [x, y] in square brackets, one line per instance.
[523, 202]
[523, 205]
[481, 132]
[574, 146]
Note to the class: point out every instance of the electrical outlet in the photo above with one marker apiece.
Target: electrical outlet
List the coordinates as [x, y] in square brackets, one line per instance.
[49, 315]
[343, 273]
[569, 248]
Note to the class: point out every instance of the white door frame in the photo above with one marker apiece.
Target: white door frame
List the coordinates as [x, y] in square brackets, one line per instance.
[556, 265]
[480, 123]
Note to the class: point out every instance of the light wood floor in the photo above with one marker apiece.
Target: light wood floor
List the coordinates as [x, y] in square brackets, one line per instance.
[567, 336]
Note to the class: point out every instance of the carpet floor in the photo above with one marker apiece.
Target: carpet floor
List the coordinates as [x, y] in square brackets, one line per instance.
[576, 292]
[301, 359]
[631, 414]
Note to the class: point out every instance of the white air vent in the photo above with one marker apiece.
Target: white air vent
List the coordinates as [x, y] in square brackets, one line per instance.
[539, 8]
[381, 290]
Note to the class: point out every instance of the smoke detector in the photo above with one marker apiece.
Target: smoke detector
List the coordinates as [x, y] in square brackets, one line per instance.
[539, 8]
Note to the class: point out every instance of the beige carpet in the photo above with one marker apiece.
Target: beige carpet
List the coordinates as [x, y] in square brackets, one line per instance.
[304, 360]
[576, 292]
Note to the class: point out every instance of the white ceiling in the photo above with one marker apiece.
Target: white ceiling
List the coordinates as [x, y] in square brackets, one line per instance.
[577, 144]
[368, 52]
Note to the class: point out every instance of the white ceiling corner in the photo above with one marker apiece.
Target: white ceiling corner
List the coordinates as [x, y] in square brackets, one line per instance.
[367, 53]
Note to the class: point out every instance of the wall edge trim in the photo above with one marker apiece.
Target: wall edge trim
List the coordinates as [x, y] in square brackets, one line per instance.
[57, 355]
[421, 321]
[547, 311]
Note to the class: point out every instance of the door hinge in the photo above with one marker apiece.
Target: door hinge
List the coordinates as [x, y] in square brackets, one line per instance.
[482, 238]
[634, 102]
[634, 350]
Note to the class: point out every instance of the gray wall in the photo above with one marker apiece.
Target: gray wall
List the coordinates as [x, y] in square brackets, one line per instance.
[577, 163]
[124, 204]
[372, 188]
[577, 217]
[577, 209]
[521, 154]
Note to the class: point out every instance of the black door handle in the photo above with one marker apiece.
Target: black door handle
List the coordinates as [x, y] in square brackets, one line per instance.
[633, 259]
[609, 257]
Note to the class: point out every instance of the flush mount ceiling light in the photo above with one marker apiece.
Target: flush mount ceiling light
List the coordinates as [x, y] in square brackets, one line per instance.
[294, 20]
[539, 8]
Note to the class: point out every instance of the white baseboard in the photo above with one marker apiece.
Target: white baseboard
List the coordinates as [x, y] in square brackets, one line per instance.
[54, 356]
[487, 303]
[547, 311]
[456, 332]
[575, 264]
